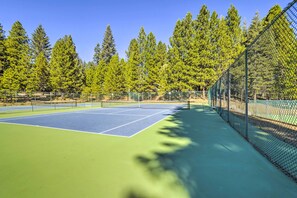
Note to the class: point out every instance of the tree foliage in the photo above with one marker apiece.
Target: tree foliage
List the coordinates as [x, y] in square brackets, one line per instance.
[108, 46]
[65, 68]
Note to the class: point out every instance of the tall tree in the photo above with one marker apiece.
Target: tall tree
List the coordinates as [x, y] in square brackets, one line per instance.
[39, 74]
[3, 55]
[132, 69]
[206, 70]
[162, 68]
[179, 55]
[18, 56]
[108, 46]
[113, 82]
[233, 22]
[142, 40]
[224, 44]
[284, 37]
[40, 43]
[97, 54]
[254, 29]
[65, 67]
[98, 78]
[151, 70]
[260, 60]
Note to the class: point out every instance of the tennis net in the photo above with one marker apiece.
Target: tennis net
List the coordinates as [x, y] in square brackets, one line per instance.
[178, 105]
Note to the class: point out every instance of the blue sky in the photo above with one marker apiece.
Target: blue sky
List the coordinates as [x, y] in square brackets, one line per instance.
[86, 20]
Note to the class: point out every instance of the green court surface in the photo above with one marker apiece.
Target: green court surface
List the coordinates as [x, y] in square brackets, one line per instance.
[190, 154]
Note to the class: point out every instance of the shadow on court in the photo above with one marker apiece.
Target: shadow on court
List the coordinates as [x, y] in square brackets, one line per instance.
[218, 162]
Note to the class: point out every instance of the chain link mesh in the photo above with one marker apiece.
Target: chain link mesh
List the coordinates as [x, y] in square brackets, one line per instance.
[270, 120]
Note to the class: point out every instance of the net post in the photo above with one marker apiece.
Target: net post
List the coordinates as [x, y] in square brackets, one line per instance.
[246, 94]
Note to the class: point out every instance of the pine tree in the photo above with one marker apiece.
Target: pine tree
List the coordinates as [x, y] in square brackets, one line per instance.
[98, 78]
[113, 82]
[3, 55]
[108, 46]
[142, 70]
[260, 60]
[132, 69]
[233, 22]
[205, 71]
[180, 57]
[65, 67]
[89, 70]
[40, 43]
[162, 69]
[254, 29]
[39, 75]
[224, 44]
[18, 56]
[151, 70]
[97, 54]
[282, 34]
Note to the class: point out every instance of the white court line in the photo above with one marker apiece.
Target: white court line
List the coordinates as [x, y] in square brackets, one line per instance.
[138, 115]
[132, 122]
[123, 111]
[32, 116]
[51, 114]
[61, 129]
[153, 124]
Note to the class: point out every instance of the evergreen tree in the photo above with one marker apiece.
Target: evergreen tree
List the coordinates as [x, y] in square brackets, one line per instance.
[40, 43]
[142, 80]
[260, 60]
[224, 44]
[97, 54]
[3, 55]
[108, 46]
[205, 71]
[284, 38]
[132, 69]
[98, 78]
[113, 82]
[39, 75]
[18, 56]
[89, 70]
[254, 29]
[233, 22]
[180, 57]
[151, 70]
[162, 68]
[65, 67]
[244, 33]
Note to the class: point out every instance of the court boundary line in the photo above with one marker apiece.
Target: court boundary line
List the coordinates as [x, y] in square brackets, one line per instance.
[96, 133]
[154, 124]
[61, 129]
[140, 115]
[103, 132]
[54, 113]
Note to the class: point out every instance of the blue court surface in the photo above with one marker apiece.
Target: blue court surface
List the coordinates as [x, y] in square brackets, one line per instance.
[109, 121]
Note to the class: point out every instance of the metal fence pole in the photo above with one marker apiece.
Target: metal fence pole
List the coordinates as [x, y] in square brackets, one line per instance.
[229, 92]
[246, 94]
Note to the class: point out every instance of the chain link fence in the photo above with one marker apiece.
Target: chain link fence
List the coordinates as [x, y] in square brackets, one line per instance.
[257, 95]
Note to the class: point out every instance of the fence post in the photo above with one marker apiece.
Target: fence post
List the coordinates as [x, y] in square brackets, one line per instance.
[220, 96]
[229, 92]
[246, 95]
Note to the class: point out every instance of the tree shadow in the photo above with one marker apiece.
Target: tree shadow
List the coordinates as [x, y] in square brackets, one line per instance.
[181, 158]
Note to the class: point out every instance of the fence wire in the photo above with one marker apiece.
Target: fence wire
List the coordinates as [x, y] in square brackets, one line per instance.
[257, 95]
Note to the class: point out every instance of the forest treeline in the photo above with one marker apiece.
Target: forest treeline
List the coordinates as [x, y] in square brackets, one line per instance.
[200, 49]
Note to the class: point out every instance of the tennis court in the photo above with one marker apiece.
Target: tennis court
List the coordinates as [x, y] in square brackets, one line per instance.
[117, 121]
